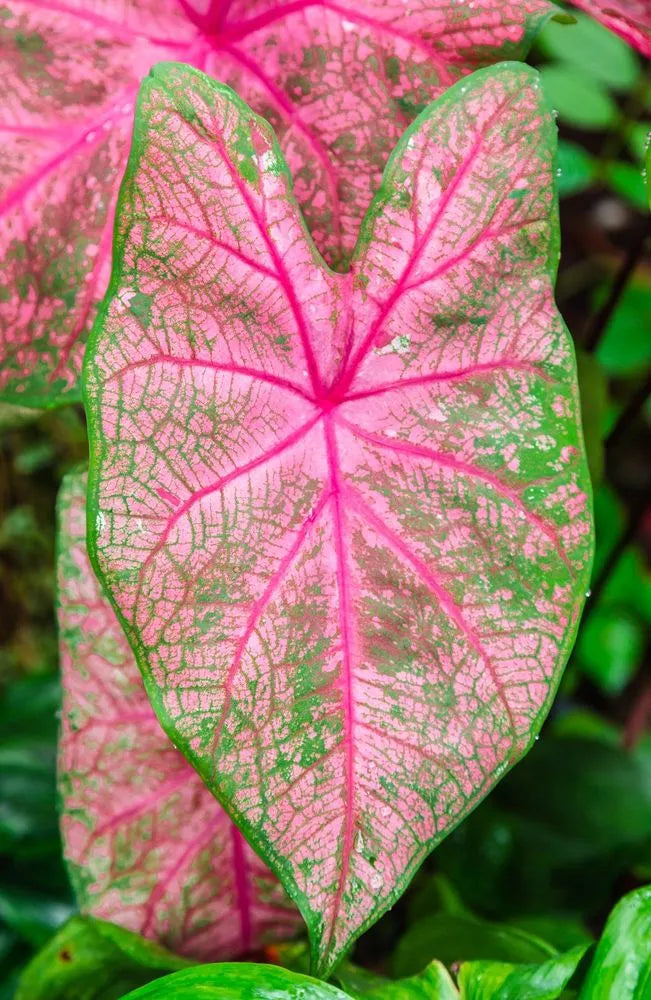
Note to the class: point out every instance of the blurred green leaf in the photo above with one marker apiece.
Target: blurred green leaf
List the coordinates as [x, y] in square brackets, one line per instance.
[593, 388]
[237, 981]
[610, 519]
[451, 938]
[610, 647]
[626, 345]
[577, 170]
[621, 969]
[93, 960]
[560, 931]
[627, 181]
[597, 798]
[28, 817]
[639, 136]
[590, 47]
[34, 916]
[492, 980]
[578, 98]
[556, 834]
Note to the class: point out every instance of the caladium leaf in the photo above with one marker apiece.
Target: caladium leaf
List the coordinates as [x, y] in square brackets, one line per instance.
[147, 845]
[338, 80]
[345, 518]
[631, 19]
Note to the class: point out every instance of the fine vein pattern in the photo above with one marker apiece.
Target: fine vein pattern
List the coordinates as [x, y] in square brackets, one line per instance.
[147, 845]
[338, 79]
[345, 516]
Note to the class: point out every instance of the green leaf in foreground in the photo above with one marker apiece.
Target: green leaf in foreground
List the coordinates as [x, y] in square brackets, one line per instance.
[621, 969]
[493, 980]
[577, 170]
[455, 938]
[237, 981]
[590, 47]
[580, 100]
[94, 960]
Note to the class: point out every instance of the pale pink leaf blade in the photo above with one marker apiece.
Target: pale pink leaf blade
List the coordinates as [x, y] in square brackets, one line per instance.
[147, 845]
[362, 506]
[631, 19]
[339, 81]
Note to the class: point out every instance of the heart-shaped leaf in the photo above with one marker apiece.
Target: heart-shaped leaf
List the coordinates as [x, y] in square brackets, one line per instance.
[345, 518]
[147, 845]
[631, 19]
[339, 81]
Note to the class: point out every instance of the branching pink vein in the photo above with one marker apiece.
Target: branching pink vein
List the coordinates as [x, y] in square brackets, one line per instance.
[90, 17]
[291, 114]
[192, 849]
[219, 244]
[488, 367]
[447, 603]
[346, 613]
[468, 469]
[216, 366]
[231, 477]
[239, 30]
[146, 804]
[465, 254]
[259, 606]
[285, 280]
[401, 284]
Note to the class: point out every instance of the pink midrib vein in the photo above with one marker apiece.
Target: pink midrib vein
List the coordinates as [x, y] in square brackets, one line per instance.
[345, 623]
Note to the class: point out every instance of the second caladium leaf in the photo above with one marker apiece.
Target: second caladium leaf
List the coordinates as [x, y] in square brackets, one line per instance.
[345, 518]
[629, 18]
[340, 81]
[147, 845]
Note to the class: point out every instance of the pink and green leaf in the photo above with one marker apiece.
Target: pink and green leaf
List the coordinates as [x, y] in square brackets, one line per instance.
[339, 81]
[631, 19]
[147, 845]
[345, 518]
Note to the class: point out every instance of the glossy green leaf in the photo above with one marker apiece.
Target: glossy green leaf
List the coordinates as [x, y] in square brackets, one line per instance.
[638, 140]
[500, 981]
[94, 960]
[575, 167]
[560, 931]
[621, 969]
[627, 181]
[237, 981]
[453, 938]
[433, 983]
[579, 100]
[611, 646]
[574, 808]
[588, 46]
[626, 345]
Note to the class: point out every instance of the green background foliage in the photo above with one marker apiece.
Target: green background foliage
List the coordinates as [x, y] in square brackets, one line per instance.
[524, 886]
